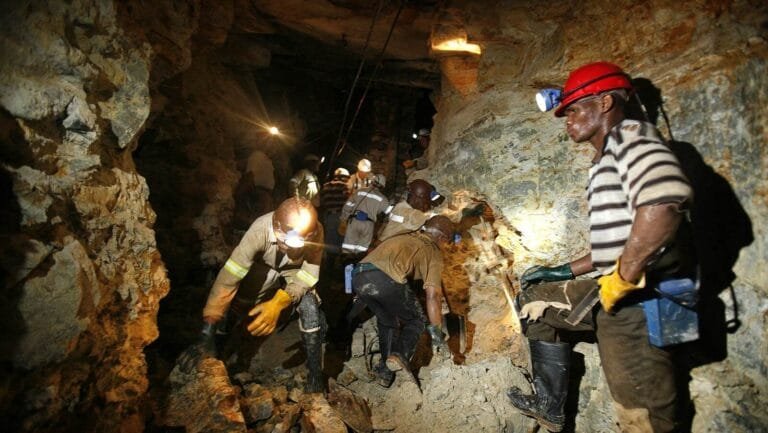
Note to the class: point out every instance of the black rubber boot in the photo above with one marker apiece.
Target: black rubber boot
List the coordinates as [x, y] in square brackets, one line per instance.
[550, 363]
[313, 345]
[384, 376]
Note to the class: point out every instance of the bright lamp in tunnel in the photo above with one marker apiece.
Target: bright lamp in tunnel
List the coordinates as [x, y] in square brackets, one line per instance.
[548, 99]
[273, 130]
[415, 136]
[459, 44]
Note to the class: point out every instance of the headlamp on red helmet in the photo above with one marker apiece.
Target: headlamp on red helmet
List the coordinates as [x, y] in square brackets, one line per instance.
[548, 99]
[588, 80]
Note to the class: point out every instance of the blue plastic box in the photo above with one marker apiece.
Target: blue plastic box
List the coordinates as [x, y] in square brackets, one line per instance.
[673, 321]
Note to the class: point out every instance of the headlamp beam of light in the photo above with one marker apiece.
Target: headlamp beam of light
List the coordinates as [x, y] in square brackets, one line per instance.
[415, 136]
[273, 130]
[547, 99]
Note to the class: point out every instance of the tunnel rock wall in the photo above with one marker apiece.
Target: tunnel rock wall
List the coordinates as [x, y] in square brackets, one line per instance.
[82, 276]
[709, 60]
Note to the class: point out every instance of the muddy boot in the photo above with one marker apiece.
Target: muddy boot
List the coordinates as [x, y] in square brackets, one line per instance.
[313, 345]
[384, 376]
[397, 363]
[550, 362]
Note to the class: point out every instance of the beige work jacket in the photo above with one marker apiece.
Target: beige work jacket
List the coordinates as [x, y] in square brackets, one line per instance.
[260, 243]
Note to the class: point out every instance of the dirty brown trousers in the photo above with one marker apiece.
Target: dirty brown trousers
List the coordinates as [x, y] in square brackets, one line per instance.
[639, 375]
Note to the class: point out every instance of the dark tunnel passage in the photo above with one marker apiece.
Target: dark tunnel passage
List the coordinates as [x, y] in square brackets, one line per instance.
[213, 167]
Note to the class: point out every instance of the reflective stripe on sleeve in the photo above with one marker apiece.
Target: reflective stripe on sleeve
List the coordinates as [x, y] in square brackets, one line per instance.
[370, 195]
[354, 247]
[389, 209]
[306, 278]
[396, 218]
[235, 269]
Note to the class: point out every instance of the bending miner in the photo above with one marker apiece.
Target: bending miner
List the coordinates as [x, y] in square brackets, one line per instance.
[290, 242]
[637, 197]
[381, 281]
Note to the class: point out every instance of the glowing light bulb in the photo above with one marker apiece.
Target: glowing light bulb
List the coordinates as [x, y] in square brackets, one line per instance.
[457, 44]
[273, 130]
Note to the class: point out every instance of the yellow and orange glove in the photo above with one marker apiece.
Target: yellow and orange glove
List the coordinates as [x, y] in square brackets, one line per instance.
[267, 313]
[613, 288]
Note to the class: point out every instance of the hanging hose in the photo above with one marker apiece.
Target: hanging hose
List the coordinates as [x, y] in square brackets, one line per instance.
[352, 89]
[373, 74]
[341, 143]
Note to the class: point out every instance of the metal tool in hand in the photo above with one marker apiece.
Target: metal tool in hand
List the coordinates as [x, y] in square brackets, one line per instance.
[583, 307]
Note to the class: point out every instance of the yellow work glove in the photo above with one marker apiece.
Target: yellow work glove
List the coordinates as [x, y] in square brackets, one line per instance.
[613, 287]
[267, 313]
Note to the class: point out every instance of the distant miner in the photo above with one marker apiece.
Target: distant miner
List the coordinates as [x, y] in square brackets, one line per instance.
[381, 281]
[360, 213]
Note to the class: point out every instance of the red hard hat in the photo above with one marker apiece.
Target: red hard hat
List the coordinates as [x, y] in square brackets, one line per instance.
[592, 79]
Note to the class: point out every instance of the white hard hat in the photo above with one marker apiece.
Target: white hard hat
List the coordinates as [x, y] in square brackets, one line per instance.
[341, 171]
[364, 165]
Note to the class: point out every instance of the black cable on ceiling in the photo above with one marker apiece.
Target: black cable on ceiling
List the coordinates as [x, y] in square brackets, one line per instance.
[373, 75]
[352, 89]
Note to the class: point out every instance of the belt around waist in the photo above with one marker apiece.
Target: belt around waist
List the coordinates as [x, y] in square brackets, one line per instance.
[363, 267]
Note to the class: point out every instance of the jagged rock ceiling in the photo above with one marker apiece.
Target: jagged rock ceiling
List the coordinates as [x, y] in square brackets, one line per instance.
[323, 37]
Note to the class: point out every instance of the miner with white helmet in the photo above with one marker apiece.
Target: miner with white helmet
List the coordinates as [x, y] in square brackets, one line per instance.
[333, 196]
[290, 242]
[637, 196]
[363, 177]
[360, 213]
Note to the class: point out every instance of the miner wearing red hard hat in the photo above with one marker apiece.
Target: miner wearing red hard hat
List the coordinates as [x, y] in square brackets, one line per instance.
[637, 196]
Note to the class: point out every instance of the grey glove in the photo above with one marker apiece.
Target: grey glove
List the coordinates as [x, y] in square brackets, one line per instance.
[205, 347]
[537, 274]
[439, 343]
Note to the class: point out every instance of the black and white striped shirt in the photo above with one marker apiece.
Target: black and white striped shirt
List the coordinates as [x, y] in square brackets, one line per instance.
[636, 169]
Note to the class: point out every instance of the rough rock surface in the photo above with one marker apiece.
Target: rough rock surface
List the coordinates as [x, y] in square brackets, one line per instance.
[218, 410]
[80, 306]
